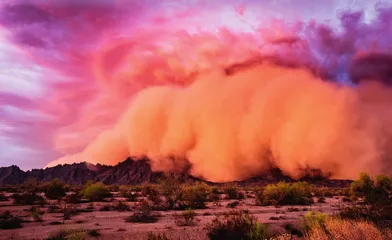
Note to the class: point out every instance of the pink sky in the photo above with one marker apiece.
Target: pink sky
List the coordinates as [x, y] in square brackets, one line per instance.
[69, 69]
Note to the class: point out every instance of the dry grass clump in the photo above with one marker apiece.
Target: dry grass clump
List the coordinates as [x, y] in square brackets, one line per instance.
[334, 228]
[186, 218]
[237, 225]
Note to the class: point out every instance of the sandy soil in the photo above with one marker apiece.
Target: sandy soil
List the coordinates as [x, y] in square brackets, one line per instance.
[111, 224]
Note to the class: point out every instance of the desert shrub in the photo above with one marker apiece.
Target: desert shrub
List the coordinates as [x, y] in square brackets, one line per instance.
[195, 196]
[114, 188]
[152, 193]
[334, 228]
[322, 192]
[346, 199]
[312, 219]
[55, 189]
[170, 188]
[105, 208]
[121, 206]
[36, 214]
[214, 198]
[96, 191]
[54, 209]
[236, 225]
[157, 236]
[373, 213]
[142, 213]
[233, 204]
[285, 194]
[3, 197]
[28, 198]
[93, 233]
[321, 200]
[233, 192]
[186, 218]
[9, 221]
[372, 191]
[73, 198]
[78, 234]
[127, 193]
[55, 223]
[215, 190]
[69, 210]
[293, 230]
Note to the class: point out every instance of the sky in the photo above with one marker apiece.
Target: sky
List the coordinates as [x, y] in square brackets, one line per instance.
[69, 68]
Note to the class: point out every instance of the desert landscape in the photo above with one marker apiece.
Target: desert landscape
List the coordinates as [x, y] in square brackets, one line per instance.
[196, 119]
[176, 206]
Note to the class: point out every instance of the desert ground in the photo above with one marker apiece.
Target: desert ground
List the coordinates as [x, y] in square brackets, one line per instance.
[111, 224]
[183, 211]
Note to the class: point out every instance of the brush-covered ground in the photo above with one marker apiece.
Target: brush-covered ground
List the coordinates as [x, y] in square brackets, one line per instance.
[174, 210]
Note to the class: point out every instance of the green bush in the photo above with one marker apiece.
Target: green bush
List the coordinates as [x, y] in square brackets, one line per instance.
[170, 188]
[96, 191]
[372, 191]
[233, 192]
[285, 194]
[236, 225]
[312, 219]
[55, 189]
[195, 196]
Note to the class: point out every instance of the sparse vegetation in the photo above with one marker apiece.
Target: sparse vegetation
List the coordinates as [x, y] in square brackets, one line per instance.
[36, 213]
[142, 214]
[9, 221]
[312, 219]
[95, 191]
[334, 228]
[73, 198]
[233, 204]
[186, 218]
[28, 199]
[372, 191]
[121, 206]
[93, 233]
[127, 193]
[236, 225]
[79, 234]
[157, 236]
[105, 208]
[233, 192]
[55, 190]
[321, 200]
[195, 196]
[3, 197]
[285, 194]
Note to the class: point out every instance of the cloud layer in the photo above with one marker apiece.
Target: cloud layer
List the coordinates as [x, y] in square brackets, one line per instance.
[93, 58]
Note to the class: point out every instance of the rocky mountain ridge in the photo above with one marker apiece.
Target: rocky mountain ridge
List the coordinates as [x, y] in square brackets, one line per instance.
[132, 172]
